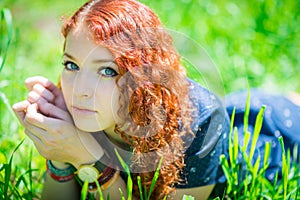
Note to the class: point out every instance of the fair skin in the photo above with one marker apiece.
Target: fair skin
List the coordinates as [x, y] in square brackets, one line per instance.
[59, 123]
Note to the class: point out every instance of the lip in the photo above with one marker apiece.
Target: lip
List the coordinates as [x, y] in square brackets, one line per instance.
[83, 111]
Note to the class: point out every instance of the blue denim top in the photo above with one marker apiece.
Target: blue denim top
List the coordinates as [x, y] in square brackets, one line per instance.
[211, 128]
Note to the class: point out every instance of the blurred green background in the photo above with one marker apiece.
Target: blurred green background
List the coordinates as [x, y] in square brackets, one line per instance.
[255, 39]
[250, 42]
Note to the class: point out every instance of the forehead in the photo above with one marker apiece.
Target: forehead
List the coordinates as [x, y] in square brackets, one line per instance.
[80, 44]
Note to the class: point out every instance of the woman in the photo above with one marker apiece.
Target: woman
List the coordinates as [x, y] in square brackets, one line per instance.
[123, 87]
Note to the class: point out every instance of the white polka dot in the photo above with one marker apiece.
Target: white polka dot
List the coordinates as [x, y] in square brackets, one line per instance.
[193, 170]
[208, 107]
[259, 144]
[220, 127]
[206, 180]
[271, 176]
[286, 112]
[225, 136]
[268, 112]
[256, 102]
[212, 97]
[213, 153]
[288, 123]
[277, 133]
[273, 144]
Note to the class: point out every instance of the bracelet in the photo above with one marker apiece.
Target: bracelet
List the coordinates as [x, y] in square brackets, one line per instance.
[107, 178]
[60, 175]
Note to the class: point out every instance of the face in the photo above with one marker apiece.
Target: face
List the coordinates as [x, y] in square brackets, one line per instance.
[88, 83]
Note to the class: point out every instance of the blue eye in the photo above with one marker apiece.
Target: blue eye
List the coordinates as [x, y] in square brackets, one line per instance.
[107, 72]
[70, 66]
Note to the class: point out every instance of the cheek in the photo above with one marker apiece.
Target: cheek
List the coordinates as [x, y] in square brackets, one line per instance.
[108, 96]
[66, 86]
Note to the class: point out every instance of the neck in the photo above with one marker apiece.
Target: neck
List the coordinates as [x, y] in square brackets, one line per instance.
[116, 139]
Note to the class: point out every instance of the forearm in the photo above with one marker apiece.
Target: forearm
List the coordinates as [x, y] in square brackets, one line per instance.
[54, 189]
[60, 190]
[70, 189]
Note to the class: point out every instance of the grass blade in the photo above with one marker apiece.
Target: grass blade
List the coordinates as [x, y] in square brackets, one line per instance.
[7, 18]
[231, 152]
[155, 177]
[187, 197]
[257, 128]
[127, 170]
[122, 194]
[247, 111]
[140, 187]
[7, 169]
[7, 104]
[232, 120]
[267, 155]
[227, 173]
[99, 190]
[84, 190]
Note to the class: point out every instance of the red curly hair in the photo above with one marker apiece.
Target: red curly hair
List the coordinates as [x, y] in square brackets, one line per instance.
[153, 89]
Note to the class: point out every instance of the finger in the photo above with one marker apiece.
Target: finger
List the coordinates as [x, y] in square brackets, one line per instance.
[31, 81]
[20, 110]
[43, 92]
[35, 118]
[50, 110]
[52, 88]
[58, 96]
[34, 97]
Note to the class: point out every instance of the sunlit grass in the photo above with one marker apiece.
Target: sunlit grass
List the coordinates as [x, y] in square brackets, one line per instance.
[254, 184]
[241, 47]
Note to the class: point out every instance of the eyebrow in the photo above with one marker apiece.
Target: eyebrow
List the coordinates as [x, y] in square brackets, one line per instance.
[69, 56]
[95, 61]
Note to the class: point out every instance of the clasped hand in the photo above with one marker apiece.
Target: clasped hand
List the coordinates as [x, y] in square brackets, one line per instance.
[50, 126]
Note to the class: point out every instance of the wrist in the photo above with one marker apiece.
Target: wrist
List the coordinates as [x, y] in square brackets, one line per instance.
[101, 173]
[58, 174]
[89, 160]
[60, 165]
[91, 145]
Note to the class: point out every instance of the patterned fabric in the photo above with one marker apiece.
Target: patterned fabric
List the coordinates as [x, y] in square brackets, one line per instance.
[211, 128]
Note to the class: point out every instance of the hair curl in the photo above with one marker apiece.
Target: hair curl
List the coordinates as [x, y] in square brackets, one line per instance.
[153, 91]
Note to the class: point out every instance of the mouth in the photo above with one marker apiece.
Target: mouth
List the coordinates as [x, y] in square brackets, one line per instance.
[83, 111]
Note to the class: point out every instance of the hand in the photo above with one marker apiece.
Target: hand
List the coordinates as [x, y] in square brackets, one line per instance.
[39, 86]
[52, 129]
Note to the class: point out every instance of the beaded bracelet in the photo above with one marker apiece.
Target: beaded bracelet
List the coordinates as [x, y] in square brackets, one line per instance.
[60, 175]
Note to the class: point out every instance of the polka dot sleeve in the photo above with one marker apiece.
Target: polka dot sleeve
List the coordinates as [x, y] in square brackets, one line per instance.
[211, 126]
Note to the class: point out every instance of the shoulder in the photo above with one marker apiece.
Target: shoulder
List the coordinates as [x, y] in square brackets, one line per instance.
[210, 126]
[209, 112]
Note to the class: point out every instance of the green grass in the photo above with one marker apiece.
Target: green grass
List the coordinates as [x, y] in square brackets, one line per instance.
[255, 185]
[250, 42]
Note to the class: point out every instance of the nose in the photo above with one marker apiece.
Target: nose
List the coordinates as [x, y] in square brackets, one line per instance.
[82, 87]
